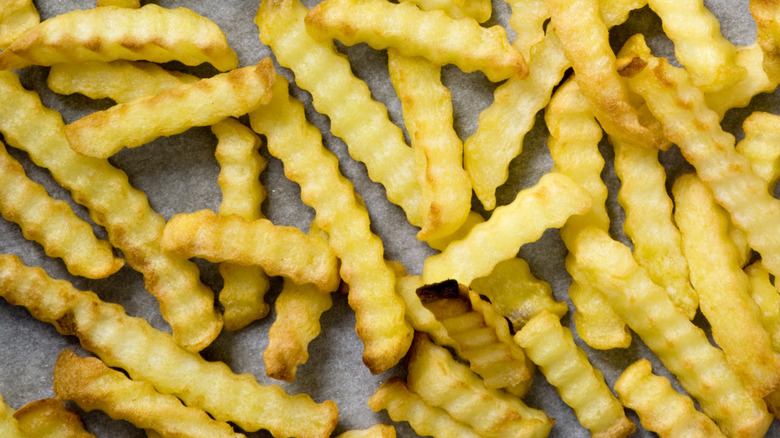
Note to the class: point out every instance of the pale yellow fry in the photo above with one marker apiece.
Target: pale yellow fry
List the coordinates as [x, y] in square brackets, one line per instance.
[150, 33]
[516, 294]
[660, 408]
[767, 16]
[687, 122]
[682, 347]
[172, 111]
[551, 346]
[278, 249]
[527, 18]
[122, 81]
[379, 312]
[546, 205]
[480, 10]
[94, 386]
[153, 356]
[16, 18]
[119, 3]
[132, 226]
[438, 151]
[760, 146]
[698, 44]
[649, 223]
[52, 223]
[428, 34]
[48, 418]
[723, 287]
[472, 219]
[298, 311]
[402, 404]
[242, 194]
[375, 431]
[9, 427]
[767, 298]
[755, 82]
[443, 382]
[370, 136]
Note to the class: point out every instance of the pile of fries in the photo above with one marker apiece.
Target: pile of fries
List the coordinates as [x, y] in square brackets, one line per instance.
[368, 218]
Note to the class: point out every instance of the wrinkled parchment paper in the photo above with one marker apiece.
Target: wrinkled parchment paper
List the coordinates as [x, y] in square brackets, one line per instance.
[179, 174]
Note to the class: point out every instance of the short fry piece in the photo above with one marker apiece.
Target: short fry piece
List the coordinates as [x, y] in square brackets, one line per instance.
[104, 133]
[551, 346]
[150, 33]
[16, 18]
[428, 34]
[9, 427]
[52, 223]
[48, 418]
[660, 408]
[280, 250]
[755, 82]
[375, 431]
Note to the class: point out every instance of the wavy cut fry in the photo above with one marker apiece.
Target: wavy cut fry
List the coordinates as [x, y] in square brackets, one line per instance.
[413, 32]
[48, 418]
[150, 33]
[16, 18]
[767, 16]
[767, 298]
[755, 82]
[153, 356]
[762, 135]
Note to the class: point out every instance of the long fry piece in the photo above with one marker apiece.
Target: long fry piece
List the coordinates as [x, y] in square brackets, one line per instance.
[132, 225]
[153, 356]
[48, 418]
[16, 18]
[110, 33]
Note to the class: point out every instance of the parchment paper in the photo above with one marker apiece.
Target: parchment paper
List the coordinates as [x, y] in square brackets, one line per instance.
[179, 174]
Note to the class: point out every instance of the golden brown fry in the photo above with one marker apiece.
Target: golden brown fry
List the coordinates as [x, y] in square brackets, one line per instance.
[479, 10]
[551, 346]
[428, 34]
[52, 223]
[660, 408]
[132, 225]
[94, 386]
[16, 18]
[767, 16]
[153, 356]
[208, 101]
[149, 33]
[48, 418]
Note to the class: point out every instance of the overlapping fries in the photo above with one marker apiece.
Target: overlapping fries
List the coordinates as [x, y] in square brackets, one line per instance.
[575, 241]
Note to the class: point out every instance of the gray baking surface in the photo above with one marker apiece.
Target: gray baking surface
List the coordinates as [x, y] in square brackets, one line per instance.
[179, 174]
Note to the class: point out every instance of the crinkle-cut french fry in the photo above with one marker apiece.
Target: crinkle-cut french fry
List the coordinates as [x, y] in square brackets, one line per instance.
[375, 431]
[16, 18]
[480, 10]
[762, 135]
[172, 111]
[574, 147]
[150, 33]
[767, 16]
[472, 219]
[153, 356]
[48, 418]
[402, 404]
[438, 151]
[52, 223]
[442, 381]
[240, 162]
[9, 427]
[649, 223]
[370, 136]
[429, 34]
[660, 408]
[516, 294]
[132, 226]
[683, 348]
[767, 298]
[119, 3]
[527, 18]
[723, 287]
[585, 40]
[379, 312]
[687, 122]
[698, 44]
[551, 346]
[280, 250]
[755, 82]
[92, 385]
[298, 310]
[548, 204]
[122, 81]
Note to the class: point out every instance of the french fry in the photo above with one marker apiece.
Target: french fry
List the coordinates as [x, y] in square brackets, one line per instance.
[104, 133]
[767, 16]
[762, 134]
[755, 82]
[363, 124]
[52, 223]
[428, 34]
[527, 18]
[16, 18]
[9, 427]
[150, 33]
[379, 312]
[660, 408]
[472, 219]
[767, 298]
[132, 226]
[48, 418]
[94, 386]
[480, 10]
[683, 348]
[375, 431]
[548, 204]
[402, 404]
[149, 355]
[551, 346]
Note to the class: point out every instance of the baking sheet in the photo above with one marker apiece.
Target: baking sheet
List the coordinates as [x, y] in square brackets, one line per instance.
[179, 174]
